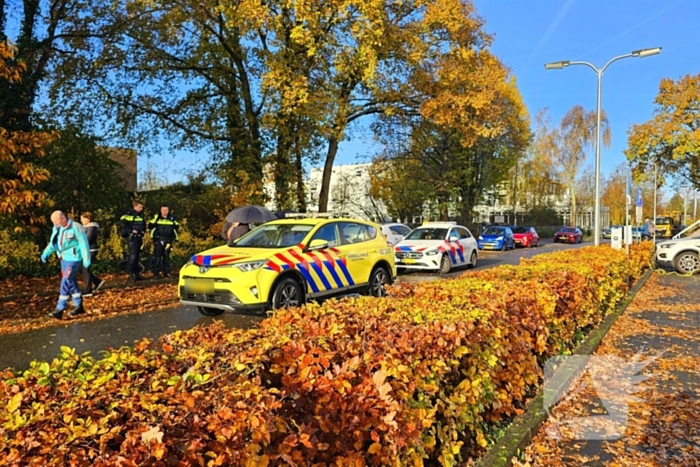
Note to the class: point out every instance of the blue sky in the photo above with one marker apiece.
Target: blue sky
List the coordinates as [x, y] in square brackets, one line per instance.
[530, 33]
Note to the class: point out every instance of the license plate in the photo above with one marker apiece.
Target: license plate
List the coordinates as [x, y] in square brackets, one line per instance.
[199, 286]
[488, 247]
[408, 261]
[517, 241]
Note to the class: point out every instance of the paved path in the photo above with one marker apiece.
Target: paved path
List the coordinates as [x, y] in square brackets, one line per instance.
[661, 428]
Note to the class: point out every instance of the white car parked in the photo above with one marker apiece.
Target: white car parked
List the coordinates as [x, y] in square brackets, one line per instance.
[683, 254]
[394, 232]
[436, 246]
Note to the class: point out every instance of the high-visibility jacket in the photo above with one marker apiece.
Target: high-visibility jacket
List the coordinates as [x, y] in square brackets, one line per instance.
[69, 243]
[163, 228]
[131, 221]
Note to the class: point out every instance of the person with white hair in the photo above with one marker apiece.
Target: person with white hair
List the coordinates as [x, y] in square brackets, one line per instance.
[69, 242]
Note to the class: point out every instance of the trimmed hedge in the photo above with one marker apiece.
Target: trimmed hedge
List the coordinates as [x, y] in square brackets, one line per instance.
[415, 378]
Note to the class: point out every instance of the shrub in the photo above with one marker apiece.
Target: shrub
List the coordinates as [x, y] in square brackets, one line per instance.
[20, 257]
[413, 378]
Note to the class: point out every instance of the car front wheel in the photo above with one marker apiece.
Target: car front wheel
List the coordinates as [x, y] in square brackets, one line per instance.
[445, 264]
[378, 281]
[472, 260]
[287, 294]
[687, 262]
[207, 311]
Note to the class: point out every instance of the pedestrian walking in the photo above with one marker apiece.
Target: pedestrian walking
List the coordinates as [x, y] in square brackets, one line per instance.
[163, 229]
[133, 227]
[69, 242]
[92, 230]
[648, 230]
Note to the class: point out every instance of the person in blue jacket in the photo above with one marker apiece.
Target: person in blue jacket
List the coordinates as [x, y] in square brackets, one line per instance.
[69, 242]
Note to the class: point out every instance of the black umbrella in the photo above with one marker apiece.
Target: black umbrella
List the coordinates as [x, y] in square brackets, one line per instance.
[283, 213]
[250, 215]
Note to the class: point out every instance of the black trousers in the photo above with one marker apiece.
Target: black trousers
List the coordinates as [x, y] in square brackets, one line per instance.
[88, 277]
[134, 254]
[161, 251]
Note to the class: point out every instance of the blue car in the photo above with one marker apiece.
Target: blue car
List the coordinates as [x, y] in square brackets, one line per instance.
[496, 238]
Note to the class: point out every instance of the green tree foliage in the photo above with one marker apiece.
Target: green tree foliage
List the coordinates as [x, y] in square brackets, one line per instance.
[401, 185]
[83, 177]
[37, 28]
[671, 138]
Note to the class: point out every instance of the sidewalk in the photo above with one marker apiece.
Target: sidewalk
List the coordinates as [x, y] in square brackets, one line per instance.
[614, 419]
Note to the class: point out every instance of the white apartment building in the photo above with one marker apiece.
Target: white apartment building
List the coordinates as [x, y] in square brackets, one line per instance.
[349, 192]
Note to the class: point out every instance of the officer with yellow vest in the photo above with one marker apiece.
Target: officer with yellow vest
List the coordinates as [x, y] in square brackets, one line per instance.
[133, 228]
[163, 228]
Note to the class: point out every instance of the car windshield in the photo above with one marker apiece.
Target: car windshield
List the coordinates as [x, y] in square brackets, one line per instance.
[427, 233]
[493, 231]
[521, 230]
[567, 230]
[274, 236]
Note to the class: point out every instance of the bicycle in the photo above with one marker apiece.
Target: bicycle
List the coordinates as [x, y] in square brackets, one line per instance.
[122, 265]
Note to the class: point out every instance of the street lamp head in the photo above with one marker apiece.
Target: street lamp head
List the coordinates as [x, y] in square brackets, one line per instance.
[641, 53]
[556, 65]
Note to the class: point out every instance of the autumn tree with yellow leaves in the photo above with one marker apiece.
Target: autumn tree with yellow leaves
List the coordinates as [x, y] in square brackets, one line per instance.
[466, 124]
[671, 138]
[20, 200]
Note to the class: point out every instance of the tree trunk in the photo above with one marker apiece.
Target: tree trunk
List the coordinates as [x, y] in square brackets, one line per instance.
[327, 172]
[572, 221]
[300, 185]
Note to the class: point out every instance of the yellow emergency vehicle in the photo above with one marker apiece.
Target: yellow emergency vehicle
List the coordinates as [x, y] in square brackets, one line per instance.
[285, 262]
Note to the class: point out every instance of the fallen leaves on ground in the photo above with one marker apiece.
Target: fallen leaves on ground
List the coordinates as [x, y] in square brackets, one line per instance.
[35, 285]
[32, 312]
[660, 422]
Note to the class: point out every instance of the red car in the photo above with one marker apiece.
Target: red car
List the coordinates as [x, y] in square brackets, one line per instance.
[568, 235]
[525, 236]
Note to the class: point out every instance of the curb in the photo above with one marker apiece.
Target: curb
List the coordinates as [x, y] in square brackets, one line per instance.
[524, 427]
[118, 285]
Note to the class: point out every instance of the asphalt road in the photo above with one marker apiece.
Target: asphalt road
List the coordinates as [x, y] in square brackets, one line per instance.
[18, 350]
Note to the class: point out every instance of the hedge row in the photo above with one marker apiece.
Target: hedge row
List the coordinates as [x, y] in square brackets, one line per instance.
[417, 378]
[22, 257]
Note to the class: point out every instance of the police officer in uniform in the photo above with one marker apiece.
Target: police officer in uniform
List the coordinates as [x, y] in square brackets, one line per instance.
[133, 227]
[163, 229]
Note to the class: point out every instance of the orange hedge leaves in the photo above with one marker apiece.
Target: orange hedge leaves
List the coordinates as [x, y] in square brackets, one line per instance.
[417, 377]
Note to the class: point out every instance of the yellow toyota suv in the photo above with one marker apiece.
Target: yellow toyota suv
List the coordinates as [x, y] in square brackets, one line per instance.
[285, 262]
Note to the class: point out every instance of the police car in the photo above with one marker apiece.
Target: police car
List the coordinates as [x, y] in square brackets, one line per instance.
[436, 246]
[285, 262]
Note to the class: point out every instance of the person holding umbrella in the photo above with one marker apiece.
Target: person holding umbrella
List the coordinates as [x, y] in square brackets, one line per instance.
[235, 230]
[238, 221]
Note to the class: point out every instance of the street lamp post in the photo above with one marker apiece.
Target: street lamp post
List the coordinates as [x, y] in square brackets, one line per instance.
[564, 63]
[656, 168]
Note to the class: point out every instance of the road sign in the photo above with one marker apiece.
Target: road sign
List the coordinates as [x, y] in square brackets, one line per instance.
[639, 200]
[640, 213]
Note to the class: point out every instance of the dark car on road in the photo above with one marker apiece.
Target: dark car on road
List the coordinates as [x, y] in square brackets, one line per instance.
[568, 235]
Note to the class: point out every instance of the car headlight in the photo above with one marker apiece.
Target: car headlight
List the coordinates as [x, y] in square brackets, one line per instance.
[247, 267]
[499, 238]
[431, 253]
[667, 245]
[480, 237]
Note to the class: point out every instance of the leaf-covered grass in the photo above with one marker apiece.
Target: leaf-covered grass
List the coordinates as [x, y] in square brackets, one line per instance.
[415, 378]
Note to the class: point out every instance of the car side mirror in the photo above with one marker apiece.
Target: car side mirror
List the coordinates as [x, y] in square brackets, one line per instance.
[317, 244]
[454, 238]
